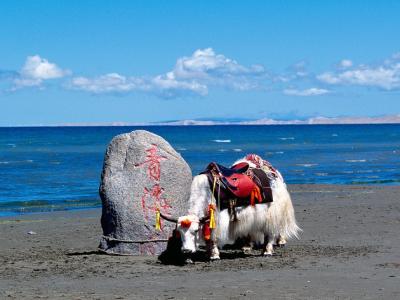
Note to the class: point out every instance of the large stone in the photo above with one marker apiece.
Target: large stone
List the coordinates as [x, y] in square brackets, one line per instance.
[141, 173]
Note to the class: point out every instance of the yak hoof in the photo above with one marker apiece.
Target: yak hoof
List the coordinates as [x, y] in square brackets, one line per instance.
[267, 254]
[214, 258]
[189, 261]
[281, 242]
[246, 250]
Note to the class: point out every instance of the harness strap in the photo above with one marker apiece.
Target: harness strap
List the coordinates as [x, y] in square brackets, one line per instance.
[214, 184]
[111, 239]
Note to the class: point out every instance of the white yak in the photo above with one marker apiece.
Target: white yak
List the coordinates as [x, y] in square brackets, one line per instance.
[265, 223]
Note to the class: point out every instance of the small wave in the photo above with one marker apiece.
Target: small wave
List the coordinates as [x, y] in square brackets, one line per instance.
[356, 160]
[31, 206]
[222, 150]
[306, 165]
[321, 174]
[222, 141]
[237, 150]
[286, 138]
[334, 134]
[12, 145]
[367, 171]
[272, 153]
[17, 161]
[181, 149]
[381, 181]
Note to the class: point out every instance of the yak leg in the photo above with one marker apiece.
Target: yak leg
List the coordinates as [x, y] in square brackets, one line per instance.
[252, 242]
[268, 249]
[248, 245]
[212, 250]
[281, 241]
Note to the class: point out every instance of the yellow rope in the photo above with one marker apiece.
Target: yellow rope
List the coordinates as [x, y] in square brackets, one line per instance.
[211, 207]
[158, 220]
[212, 217]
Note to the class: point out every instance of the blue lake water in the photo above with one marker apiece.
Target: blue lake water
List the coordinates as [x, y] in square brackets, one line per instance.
[58, 168]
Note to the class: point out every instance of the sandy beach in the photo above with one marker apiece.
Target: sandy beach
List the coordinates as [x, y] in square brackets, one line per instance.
[350, 249]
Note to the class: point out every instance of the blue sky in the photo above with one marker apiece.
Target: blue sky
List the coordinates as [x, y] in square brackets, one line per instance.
[141, 61]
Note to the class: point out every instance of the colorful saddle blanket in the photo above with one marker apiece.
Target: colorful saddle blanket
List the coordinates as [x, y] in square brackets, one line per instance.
[240, 183]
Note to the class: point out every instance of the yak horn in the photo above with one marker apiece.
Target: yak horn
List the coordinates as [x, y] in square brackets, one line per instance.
[170, 219]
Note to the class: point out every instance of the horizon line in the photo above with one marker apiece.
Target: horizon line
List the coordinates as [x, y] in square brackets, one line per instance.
[388, 119]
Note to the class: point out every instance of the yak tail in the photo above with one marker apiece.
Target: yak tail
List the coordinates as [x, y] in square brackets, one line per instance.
[291, 230]
[281, 213]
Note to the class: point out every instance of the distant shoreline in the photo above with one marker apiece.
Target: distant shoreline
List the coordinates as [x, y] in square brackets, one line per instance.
[219, 123]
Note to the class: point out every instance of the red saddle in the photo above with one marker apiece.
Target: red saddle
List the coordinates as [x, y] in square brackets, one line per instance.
[234, 179]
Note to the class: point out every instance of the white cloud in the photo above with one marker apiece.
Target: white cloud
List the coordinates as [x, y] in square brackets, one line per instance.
[381, 77]
[39, 68]
[190, 75]
[205, 68]
[295, 72]
[329, 78]
[206, 64]
[306, 92]
[345, 63]
[385, 76]
[107, 83]
[299, 70]
[168, 86]
[164, 86]
[36, 70]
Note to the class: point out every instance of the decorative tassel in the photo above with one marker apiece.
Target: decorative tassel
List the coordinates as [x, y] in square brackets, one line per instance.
[186, 223]
[206, 232]
[252, 203]
[212, 217]
[158, 220]
[255, 194]
[258, 195]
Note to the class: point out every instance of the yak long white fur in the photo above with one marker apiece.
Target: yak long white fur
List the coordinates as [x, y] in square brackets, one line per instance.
[200, 196]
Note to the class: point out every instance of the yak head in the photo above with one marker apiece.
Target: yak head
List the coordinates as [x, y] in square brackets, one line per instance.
[189, 227]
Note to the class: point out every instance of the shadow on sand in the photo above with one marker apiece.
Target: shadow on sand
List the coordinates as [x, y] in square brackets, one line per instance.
[174, 256]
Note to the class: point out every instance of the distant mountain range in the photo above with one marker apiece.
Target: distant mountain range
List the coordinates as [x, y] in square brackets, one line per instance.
[266, 121]
[392, 119]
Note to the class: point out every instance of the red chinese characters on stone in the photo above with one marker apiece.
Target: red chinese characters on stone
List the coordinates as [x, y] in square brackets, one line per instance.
[153, 160]
[159, 202]
[153, 198]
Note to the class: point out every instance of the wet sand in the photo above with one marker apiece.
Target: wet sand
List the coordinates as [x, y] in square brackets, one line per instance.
[350, 249]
